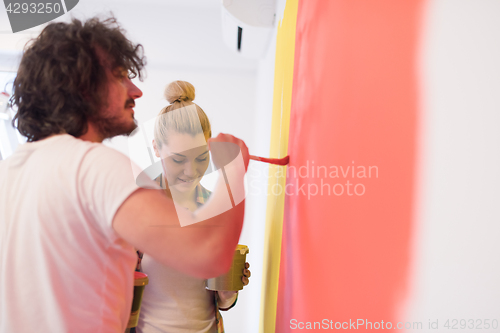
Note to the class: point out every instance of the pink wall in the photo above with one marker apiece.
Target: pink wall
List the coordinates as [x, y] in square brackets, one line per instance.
[354, 104]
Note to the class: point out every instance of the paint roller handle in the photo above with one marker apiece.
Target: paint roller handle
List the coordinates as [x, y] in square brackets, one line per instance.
[278, 161]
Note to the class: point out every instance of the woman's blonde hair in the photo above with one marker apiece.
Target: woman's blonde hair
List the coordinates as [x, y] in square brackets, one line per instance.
[180, 95]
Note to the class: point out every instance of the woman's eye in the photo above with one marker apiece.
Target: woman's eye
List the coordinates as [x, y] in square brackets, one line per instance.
[177, 161]
[201, 159]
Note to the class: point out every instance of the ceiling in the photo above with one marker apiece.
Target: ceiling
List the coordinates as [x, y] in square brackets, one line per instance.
[176, 33]
[171, 3]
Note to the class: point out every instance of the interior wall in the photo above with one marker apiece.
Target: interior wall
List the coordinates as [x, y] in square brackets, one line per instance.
[281, 88]
[456, 266]
[348, 208]
[246, 317]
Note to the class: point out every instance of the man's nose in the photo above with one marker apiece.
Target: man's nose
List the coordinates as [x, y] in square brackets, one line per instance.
[133, 90]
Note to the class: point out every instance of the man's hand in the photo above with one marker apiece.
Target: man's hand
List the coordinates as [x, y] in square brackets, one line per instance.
[225, 148]
[227, 298]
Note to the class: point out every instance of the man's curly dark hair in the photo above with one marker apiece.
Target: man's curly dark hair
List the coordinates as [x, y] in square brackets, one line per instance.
[61, 83]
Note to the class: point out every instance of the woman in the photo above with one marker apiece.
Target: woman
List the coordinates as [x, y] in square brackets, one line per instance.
[173, 301]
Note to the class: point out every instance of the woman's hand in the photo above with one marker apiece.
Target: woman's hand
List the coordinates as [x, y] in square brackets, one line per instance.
[227, 298]
[246, 274]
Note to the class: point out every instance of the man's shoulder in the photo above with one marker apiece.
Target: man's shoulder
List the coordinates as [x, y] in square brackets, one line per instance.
[68, 151]
[60, 148]
[88, 145]
[62, 141]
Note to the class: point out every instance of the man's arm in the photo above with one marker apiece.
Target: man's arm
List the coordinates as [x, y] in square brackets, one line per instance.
[149, 221]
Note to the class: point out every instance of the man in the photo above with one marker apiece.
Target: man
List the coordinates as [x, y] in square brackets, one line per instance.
[71, 213]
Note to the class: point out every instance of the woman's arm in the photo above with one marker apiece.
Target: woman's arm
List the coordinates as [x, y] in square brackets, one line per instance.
[227, 299]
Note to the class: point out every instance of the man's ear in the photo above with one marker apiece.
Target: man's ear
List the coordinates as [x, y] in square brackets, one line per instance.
[157, 153]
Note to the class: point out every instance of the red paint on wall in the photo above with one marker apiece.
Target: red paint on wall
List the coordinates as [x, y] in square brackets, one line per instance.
[345, 256]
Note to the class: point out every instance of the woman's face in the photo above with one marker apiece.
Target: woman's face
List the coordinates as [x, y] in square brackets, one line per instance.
[185, 159]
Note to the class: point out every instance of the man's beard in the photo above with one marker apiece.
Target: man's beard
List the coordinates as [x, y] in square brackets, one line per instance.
[109, 127]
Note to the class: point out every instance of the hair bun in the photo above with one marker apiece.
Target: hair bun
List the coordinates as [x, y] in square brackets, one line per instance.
[179, 91]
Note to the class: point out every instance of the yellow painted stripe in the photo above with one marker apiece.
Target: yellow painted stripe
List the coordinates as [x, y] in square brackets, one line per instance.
[283, 80]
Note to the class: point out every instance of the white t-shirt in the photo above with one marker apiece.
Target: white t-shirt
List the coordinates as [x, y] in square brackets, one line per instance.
[62, 266]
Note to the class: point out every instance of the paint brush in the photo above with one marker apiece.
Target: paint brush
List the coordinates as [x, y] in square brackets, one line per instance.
[278, 161]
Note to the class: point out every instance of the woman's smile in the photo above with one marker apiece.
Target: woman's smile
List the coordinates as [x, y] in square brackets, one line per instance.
[187, 181]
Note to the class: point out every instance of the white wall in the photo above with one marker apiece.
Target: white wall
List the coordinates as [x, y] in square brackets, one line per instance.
[456, 258]
[246, 315]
